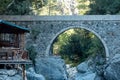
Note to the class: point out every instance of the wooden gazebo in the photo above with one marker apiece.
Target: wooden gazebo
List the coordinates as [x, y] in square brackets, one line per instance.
[12, 42]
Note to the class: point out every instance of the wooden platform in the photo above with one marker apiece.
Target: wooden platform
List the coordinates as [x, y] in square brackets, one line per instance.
[15, 62]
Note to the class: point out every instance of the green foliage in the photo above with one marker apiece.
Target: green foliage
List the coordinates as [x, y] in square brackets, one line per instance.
[104, 7]
[3, 5]
[57, 7]
[14, 7]
[39, 3]
[76, 45]
[34, 33]
[20, 7]
[32, 53]
[83, 6]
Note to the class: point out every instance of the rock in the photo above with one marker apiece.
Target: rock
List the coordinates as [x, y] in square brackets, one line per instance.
[11, 72]
[31, 75]
[8, 72]
[83, 67]
[16, 77]
[112, 71]
[88, 76]
[3, 77]
[116, 58]
[9, 75]
[3, 72]
[84, 72]
[71, 71]
[6, 77]
[99, 78]
[53, 68]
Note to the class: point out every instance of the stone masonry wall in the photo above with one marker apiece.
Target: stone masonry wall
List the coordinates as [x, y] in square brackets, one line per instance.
[47, 28]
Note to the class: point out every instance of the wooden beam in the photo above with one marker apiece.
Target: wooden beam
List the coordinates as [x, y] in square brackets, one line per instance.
[15, 62]
[17, 40]
[22, 43]
[23, 71]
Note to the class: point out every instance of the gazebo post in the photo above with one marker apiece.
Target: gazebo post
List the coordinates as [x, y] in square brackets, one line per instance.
[17, 40]
[23, 71]
[22, 44]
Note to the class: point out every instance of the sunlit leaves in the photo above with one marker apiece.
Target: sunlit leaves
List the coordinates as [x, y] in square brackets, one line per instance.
[83, 6]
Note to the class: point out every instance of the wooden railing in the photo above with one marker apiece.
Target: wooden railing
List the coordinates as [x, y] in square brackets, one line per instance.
[13, 54]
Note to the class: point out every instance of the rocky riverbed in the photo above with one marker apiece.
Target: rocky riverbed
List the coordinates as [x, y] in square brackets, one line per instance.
[53, 68]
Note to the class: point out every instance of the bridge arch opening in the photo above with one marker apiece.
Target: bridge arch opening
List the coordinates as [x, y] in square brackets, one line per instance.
[49, 50]
[52, 47]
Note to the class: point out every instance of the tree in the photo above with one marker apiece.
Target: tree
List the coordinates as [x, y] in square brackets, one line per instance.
[4, 5]
[20, 7]
[104, 7]
[37, 6]
[83, 6]
[76, 45]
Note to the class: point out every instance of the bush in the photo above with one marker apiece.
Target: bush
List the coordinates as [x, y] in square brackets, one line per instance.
[32, 54]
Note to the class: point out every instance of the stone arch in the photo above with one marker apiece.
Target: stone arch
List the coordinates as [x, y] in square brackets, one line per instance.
[48, 51]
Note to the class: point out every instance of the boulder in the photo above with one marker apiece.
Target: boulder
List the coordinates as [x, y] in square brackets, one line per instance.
[15, 77]
[84, 72]
[99, 78]
[3, 77]
[9, 75]
[112, 71]
[31, 75]
[11, 72]
[52, 68]
[71, 71]
[8, 72]
[83, 67]
[86, 76]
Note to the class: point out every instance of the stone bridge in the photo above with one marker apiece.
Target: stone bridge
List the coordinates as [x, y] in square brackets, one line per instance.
[47, 28]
